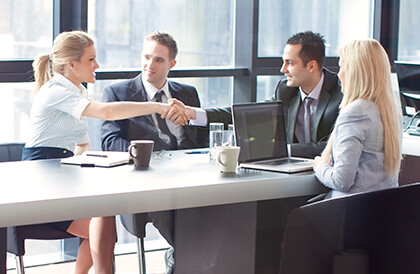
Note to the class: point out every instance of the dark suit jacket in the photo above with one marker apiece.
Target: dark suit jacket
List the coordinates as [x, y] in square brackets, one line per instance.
[116, 135]
[324, 119]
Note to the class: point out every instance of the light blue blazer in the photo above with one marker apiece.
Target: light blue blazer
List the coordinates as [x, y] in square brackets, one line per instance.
[357, 152]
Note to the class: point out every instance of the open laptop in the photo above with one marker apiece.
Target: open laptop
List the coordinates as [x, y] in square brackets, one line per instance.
[407, 111]
[260, 132]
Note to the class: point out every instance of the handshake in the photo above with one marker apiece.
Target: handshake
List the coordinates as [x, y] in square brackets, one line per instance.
[177, 112]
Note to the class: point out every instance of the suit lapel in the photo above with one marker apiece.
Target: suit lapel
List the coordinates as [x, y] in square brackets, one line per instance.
[175, 92]
[292, 117]
[138, 94]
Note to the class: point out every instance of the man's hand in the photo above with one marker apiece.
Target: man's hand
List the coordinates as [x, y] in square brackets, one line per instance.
[175, 113]
[178, 113]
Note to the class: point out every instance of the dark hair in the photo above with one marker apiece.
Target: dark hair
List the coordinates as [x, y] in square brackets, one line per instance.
[313, 46]
[164, 39]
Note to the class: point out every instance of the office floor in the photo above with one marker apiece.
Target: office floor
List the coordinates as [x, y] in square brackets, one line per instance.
[125, 264]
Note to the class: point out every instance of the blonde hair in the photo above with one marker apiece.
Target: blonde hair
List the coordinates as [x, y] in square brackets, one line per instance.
[68, 46]
[367, 76]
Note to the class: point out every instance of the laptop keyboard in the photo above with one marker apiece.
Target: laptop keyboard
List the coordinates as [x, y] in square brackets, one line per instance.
[284, 161]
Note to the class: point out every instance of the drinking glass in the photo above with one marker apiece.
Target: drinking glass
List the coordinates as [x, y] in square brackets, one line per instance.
[215, 137]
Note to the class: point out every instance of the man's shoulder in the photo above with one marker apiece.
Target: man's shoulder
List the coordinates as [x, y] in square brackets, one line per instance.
[331, 82]
[179, 86]
[284, 92]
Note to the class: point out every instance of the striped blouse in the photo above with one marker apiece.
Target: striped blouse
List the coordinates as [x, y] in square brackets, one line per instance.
[56, 119]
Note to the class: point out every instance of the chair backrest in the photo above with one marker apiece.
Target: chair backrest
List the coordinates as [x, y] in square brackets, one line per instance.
[11, 151]
[384, 223]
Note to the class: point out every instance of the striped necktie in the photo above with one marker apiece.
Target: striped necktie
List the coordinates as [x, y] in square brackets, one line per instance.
[163, 126]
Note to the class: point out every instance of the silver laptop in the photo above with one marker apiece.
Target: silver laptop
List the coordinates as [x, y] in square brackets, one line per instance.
[260, 132]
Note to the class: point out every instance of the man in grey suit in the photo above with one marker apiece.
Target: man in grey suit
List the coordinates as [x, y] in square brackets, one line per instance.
[158, 57]
[303, 60]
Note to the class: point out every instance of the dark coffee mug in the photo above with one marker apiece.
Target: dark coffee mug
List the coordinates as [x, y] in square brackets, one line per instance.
[141, 151]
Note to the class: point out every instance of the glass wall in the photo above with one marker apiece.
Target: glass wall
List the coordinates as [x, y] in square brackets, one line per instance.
[408, 38]
[15, 105]
[203, 30]
[266, 86]
[338, 21]
[20, 37]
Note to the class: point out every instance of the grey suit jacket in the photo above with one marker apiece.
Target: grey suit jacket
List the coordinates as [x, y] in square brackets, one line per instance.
[324, 119]
[116, 135]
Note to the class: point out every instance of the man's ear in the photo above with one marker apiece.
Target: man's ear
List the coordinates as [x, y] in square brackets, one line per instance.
[312, 65]
[173, 63]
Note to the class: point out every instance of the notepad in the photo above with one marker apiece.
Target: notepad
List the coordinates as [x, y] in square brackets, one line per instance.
[98, 159]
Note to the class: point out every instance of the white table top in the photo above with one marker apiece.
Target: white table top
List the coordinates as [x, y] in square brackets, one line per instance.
[45, 190]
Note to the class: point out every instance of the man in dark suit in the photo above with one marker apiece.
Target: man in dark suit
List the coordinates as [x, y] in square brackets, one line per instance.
[303, 60]
[158, 57]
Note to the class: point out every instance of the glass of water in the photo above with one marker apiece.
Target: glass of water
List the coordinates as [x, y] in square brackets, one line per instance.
[231, 136]
[215, 136]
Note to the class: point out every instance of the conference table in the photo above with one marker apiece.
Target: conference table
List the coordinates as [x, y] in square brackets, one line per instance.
[232, 210]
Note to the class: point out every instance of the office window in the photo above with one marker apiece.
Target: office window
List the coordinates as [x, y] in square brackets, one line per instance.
[25, 28]
[203, 30]
[408, 41]
[266, 86]
[338, 21]
[213, 92]
[15, 105]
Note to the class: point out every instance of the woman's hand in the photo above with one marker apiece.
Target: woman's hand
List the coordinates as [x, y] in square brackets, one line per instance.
[324, 158]
[175, 111]
[178, 113]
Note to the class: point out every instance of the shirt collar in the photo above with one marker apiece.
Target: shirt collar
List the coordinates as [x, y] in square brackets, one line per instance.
[63, 80]
[314, 94]
[151, 90]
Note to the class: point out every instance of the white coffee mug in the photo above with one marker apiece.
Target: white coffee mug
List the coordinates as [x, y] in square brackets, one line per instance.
[227, 158]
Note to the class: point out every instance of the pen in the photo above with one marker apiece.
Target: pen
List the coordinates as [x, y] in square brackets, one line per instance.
[197, 152]
[97, 155]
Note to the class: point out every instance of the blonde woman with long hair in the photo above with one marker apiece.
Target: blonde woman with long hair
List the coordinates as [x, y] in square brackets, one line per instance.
[59, 130]
[364, 151]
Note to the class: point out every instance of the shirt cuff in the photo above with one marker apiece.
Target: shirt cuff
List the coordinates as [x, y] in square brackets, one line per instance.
[200, 118]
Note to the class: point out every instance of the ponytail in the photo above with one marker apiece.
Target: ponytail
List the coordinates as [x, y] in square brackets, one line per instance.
[42, 72]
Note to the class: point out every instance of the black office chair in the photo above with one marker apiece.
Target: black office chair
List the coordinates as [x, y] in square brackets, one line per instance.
[135, 225]
[384, 223]
[10, 152]
[17, 235]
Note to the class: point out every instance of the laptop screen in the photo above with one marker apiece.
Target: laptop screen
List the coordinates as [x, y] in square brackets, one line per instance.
[260, 131]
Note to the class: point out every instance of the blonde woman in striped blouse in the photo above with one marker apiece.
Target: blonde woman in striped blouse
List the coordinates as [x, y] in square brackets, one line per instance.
[59, 129]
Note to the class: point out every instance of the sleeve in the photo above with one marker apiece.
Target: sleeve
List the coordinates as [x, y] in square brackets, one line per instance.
[201, 118]
[223, 115]
[114, 134]
[347, 149]
[67, 101]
